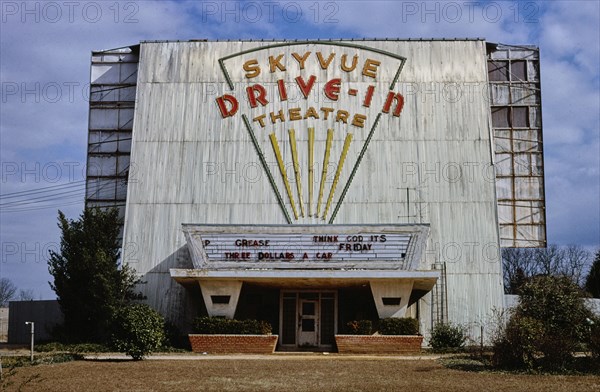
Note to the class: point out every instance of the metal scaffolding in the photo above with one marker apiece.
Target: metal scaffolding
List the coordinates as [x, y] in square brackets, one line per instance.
[516, 111]
[112, 104]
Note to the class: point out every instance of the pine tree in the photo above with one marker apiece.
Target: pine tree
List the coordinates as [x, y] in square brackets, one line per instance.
[88, 281]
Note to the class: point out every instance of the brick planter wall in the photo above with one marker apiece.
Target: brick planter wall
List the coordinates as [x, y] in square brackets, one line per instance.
[378, 344]
[230, 344]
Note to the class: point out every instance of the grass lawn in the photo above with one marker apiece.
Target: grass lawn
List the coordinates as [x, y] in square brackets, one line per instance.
[281, 373]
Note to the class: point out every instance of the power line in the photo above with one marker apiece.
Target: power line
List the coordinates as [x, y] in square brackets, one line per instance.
[53, 197]
[51, 188]
[2, 211]
[42, 199]
[14, 207]
[40, 190]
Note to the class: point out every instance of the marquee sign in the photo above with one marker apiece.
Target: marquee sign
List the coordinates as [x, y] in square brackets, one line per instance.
[305, 247]
[276, 246]
[312, 107]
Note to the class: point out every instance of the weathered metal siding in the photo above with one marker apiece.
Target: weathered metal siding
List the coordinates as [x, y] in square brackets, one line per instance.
[433, 164]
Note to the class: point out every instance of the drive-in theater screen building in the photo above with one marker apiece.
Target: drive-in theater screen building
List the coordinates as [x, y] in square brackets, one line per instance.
[311, 183]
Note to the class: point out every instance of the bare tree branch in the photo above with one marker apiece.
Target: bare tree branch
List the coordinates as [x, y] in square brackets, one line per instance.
[520, 264]
[7, 291]
[26, 295]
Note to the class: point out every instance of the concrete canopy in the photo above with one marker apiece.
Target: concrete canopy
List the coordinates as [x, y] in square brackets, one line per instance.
[389, 268]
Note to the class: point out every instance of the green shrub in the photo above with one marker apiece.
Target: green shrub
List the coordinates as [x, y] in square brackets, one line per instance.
[547, 326]
[447, 336]
[516, 346]
[219, 325]
[72, 348]
[398, 326]
[137, 330]
[360, 327]
[51, 346]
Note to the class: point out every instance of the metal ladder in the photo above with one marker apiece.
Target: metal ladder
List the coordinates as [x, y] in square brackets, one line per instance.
[439, 297]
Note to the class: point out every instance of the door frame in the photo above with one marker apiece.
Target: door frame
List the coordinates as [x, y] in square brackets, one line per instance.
[298, 292]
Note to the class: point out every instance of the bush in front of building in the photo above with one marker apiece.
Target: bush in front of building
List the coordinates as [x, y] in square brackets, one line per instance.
[548, 325]
[447, 337]
[219, 325]
[516, 347]
[359, 327]
[77, 348]
[398, 326]
[137, 330]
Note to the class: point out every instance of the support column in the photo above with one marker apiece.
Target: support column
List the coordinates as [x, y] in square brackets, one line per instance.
[221, 296]
[391, 297]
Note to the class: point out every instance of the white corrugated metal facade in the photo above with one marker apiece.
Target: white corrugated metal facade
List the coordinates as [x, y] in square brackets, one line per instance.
[433, 164]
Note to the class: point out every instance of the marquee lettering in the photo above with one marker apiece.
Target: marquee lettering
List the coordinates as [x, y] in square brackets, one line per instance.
[265, 247]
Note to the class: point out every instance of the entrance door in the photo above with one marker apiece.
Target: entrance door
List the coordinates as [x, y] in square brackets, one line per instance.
[307, 319]
[308, 323]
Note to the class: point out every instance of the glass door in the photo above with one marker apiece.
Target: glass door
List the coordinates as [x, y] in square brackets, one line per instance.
[308, 323]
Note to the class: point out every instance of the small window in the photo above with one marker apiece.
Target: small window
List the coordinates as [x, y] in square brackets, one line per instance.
[498, 71]
[220, 299]
[308, 308]
[518, 70]
[520, 116]
[308, 325]
[500, 117]
[390, 301]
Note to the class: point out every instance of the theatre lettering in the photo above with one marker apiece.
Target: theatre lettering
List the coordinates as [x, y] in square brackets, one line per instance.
[256, 94]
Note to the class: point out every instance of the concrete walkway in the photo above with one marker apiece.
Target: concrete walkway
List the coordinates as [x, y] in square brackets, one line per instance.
[278, 356]
[21, 350]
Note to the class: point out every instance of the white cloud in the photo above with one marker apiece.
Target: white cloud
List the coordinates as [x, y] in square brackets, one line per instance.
[569, 31]
[568, 34]
[570, 102]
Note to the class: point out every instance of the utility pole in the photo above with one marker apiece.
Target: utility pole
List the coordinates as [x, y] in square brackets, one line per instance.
[32, 335]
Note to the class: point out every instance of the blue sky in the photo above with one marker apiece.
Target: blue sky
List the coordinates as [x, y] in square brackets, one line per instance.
[44, 64]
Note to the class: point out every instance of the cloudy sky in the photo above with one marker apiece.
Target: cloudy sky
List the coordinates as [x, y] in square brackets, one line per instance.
[44, 64]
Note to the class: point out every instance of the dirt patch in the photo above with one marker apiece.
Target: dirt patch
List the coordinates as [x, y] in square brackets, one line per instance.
[292, 374]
